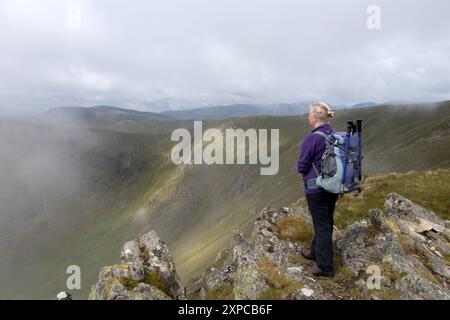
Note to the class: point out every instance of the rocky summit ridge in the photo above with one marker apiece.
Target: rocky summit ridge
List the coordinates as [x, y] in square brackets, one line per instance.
[400, 252]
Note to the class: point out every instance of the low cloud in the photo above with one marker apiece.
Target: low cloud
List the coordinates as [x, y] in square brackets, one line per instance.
[69, 52]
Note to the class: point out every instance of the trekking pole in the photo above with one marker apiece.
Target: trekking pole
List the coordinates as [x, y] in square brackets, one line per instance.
[359, 127]
[350, 126]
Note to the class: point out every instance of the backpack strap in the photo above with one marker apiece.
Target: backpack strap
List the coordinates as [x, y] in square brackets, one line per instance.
[320, 133]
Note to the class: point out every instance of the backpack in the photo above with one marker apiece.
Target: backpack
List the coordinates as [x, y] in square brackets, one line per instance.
[342, 160]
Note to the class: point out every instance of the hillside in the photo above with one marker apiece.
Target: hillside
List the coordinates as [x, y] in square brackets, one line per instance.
[74, 194]
[109, 118]
[216, 113]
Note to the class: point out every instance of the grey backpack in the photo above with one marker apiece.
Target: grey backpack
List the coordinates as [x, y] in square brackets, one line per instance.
[342, 160]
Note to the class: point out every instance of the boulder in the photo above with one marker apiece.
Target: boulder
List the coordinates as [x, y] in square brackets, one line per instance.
[405, 244]
[146, 271]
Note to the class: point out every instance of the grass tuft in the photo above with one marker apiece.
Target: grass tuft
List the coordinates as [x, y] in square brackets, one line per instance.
[294, 229]
[280, 286]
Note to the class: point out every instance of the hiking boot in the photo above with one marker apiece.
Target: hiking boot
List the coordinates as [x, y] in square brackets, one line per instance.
[316, 271]
[307, 254]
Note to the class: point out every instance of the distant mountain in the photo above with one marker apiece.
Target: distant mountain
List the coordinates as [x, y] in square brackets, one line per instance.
[215, 113]
[250, 110]
[364, 105]
[100, 114]
[126, 120]
[239, 111]
[109, 118]
[168, 104]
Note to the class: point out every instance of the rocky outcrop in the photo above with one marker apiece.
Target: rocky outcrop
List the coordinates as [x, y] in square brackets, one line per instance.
[146, 272]
[408, 245]
[262, 266]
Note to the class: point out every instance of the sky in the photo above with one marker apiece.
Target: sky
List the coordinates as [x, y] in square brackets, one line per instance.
[153, 55]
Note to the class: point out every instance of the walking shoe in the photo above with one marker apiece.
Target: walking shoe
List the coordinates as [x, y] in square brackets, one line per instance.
[316, 271]
[307, 254]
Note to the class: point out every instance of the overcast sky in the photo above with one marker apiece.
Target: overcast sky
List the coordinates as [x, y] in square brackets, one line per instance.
[132, 53]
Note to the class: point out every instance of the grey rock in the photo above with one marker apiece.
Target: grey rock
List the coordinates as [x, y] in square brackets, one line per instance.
[195, 287]
[447, 224]
[379, 221]
[379, 244]
[249, 282]
[416, 287]
[216, 278]
[360, 248]
[402, 207]
[144, 260]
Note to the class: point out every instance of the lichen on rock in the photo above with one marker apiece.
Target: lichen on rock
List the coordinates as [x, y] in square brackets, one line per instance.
[147, 271]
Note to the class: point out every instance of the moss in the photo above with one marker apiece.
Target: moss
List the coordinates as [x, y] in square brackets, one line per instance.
[129, 283]
[428, 275]
[223, 256]
[224, 293]
[276, 294]
[370, 235]
[293, 228]
[155, 279]
[123, 266]
[395, 227]
[387, 294]
[144, 254]
[299, 260]
[107, 287]
[358, 294]
[407, 244]
[152, 278]
[347, 273]
[428, 264]
[193, 296]
[446, 258]
[389, 272]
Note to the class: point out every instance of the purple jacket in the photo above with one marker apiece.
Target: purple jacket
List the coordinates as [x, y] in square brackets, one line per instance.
[311, 151]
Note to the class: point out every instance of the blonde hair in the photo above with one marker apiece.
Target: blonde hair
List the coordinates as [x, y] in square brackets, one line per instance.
[323, 111]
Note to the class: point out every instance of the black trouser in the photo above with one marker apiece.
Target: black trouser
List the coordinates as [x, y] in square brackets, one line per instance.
[321, 206]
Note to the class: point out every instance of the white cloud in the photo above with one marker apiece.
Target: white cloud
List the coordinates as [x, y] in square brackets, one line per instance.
[80, 52]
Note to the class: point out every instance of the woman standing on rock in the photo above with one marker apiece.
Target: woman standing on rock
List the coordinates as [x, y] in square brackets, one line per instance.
[321, 203]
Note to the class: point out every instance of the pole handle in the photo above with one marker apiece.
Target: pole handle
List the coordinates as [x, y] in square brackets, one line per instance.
[359, 125]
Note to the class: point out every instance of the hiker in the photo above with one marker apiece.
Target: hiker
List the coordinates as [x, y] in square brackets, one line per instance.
[321, 203]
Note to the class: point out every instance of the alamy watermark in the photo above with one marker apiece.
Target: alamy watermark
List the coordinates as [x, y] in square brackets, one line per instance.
[73, 282]
[373, 21]
[374, 280]
[229, 149]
